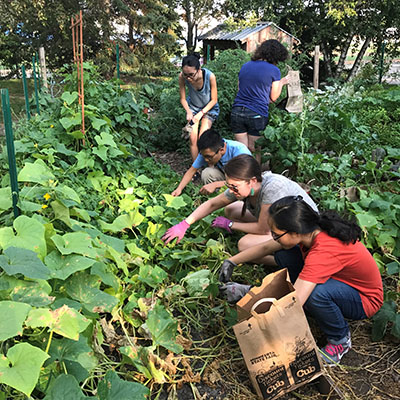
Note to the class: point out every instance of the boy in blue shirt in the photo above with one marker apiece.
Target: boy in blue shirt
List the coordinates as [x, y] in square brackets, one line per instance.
[214, 153]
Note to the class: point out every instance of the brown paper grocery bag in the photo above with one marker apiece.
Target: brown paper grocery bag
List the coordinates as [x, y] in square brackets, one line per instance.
[295, 95]
[275, 339]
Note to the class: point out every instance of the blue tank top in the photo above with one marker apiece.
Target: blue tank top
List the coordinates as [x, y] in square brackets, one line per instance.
[200, 98]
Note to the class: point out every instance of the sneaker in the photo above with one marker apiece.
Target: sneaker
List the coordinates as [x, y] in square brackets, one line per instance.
[333, 352]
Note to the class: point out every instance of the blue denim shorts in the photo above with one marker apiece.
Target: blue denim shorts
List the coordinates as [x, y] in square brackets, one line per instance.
[212, 115]
[244, 120]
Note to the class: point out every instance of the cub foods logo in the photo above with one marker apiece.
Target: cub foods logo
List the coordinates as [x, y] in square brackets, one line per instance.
[272, 382]
[273, 388]
[304, 372]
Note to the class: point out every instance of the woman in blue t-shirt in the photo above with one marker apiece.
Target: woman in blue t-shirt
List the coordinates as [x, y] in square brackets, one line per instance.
[202, 101]
[259, 83]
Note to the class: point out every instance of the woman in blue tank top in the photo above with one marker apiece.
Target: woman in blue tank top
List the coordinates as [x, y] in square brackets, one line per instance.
[259, 83]
[201, 105]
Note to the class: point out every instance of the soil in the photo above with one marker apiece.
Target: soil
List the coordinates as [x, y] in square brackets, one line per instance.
[179, 162]
[369, 371]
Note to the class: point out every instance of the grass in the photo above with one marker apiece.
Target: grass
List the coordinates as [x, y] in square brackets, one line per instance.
[16, 93]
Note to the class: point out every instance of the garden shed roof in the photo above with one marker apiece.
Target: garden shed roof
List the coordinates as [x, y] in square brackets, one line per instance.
[220, 32]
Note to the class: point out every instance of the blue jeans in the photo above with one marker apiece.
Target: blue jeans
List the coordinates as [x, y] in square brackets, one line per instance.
[330, 302]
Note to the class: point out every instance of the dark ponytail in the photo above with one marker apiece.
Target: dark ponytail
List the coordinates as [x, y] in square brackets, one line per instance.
[336, 226]
[293, 214]
[192, 60]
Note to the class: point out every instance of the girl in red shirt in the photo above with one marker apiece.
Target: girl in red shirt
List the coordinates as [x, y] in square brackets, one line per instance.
[334, 274]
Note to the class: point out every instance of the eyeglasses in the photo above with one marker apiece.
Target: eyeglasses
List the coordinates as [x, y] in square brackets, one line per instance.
[276, 237]
[191, 75]
[211, 156]
[234, 188]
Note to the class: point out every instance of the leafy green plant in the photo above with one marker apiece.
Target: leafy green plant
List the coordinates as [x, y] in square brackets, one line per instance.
[87, 287]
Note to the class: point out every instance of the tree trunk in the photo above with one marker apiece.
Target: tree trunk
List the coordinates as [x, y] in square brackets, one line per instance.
[190, 26]
[195, 37]
[130, 34]
[327, 58]
[189, 38]
[357, 62]
[343, 55]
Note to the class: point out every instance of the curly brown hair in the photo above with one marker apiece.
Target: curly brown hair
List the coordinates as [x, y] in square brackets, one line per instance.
[271, 51]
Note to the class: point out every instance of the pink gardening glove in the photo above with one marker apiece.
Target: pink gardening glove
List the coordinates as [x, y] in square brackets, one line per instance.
[222, 222]
[177, 230]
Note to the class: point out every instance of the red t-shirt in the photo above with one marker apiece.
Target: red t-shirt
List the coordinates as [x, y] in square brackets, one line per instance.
[352, 264]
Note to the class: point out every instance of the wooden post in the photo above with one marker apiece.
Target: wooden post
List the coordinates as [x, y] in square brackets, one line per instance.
[43, 67]
[316, 67]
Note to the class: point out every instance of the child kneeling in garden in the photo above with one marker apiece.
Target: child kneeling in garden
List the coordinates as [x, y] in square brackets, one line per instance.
[334, 274]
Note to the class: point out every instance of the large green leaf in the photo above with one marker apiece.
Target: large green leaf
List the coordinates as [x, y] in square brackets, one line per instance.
[38, 172]
[35, 293]
[69, 122]
[61, 267]
[21, 368]
[65, 387]
[152, 276]
[366, 220]
[61, 212]
[30, 234]
[395, 331]
[13, 315]
[75, 242]
[101, 151]
[114, 388]
[136, 251]
[77, 351]
[197, 282]
[163, 328]
[144, 179]
[386, 314]
[106, 274]
[69, 97]
[114, 255]
[133, 218]
[85, 160]
[68, 193]
[393, 268]
[174, 202]
[65, 321]
[97, 123]
[85, 289]
[5, 198]
[23, 261]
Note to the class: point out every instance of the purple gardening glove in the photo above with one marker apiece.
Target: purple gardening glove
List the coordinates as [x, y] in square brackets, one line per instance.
[176, 231]
[222, 222]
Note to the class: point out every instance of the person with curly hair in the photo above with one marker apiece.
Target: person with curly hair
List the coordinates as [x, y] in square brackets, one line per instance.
[259, 83]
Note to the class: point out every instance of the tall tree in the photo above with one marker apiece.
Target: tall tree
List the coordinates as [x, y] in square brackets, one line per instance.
[196, 16]
[151, 38]
[338, 26]
[27, 25]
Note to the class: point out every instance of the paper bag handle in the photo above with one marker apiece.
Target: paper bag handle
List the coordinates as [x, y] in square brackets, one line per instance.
[267, 300]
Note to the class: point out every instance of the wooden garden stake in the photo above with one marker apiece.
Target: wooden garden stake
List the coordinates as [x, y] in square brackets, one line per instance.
[43, 71]
[316, 67]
